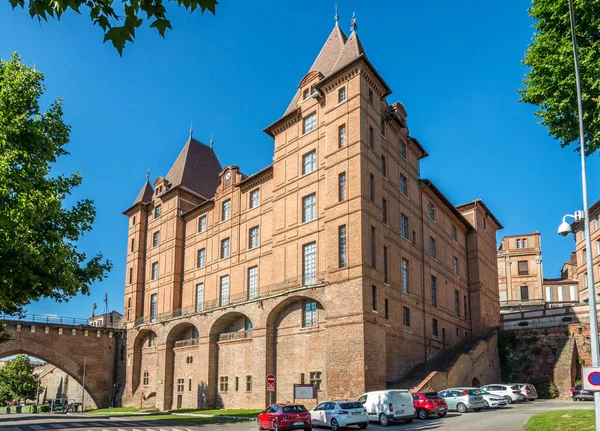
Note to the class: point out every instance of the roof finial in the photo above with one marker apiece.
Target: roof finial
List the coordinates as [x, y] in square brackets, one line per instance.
[336, 16]
[148, 175]
[353, 26]
[191, 129]
[211, 139]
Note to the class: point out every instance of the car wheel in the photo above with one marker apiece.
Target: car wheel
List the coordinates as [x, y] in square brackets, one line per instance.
[422, 414]
[384, 420]
[408, 421]
[487, 405]
[508, 399]
[461, 408]
[258, 425]
[334, 425]
[275, 426]
[363, 426]
[441, 415]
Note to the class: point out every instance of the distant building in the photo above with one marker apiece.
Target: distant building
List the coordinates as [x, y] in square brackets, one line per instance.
[106, 319]
[35, 364]
[580, 250]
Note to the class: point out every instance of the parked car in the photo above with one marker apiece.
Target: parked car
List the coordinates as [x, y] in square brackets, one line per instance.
[511, 393]
[429, 403]
[490, 400]
[389, 406]
[527, 389]
[339, 414]
[462, 400]
[284, 417]
[580, 394]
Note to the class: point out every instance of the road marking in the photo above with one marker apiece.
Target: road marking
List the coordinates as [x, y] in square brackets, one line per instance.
[78, 424]
[56, 425]
[37, 427]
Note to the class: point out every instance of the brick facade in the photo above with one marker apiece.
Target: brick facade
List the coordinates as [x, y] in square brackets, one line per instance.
[289, 298]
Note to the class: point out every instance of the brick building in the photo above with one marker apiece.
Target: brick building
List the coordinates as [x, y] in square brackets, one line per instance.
[580, 250]
[336, 265]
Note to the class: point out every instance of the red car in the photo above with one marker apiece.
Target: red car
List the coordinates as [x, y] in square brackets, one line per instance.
[284, 417]
[429, 403]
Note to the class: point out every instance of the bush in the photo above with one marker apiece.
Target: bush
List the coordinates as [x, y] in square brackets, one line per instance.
[581, 362]
[546, 389]
[44, 408]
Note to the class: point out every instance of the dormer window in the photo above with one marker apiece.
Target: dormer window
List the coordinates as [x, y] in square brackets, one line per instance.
[305, 94]
[227, 179]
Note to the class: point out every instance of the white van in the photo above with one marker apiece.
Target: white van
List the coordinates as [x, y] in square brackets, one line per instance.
[390, 405]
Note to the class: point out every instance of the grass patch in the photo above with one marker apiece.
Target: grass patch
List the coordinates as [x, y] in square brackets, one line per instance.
[113, 410]
[563, 420]
[242, 413]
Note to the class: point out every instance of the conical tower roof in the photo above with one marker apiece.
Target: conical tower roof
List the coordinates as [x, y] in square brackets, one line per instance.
[145, 195]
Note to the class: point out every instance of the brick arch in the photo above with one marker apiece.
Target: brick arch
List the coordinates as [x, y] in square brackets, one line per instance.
[72, 368]
[136, 369]
[219, 325]
[277, 309]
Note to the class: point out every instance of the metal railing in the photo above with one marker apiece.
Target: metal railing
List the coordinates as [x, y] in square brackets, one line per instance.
[52, 319]
[186, 343]
[229, 336]
[213, 304]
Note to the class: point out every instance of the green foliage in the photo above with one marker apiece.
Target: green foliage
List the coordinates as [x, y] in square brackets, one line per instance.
[44, 408]
[546, 389]
[17, 381]
[38, 252]
[118, 20]
[578, 382]
[581, 361]
[550, 83]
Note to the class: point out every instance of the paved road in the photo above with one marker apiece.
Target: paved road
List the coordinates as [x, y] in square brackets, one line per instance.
[510, 418]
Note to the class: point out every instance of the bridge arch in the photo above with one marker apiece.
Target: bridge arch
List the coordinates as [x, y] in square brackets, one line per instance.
[72, 368]
[144, 360]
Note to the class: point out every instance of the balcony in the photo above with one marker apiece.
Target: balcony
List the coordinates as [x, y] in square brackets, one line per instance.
[240, 335]
[186, 343]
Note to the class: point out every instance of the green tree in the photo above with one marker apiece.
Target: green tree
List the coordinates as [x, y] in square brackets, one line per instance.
[550, 83]
[118, 28]
[17, 381]
[39, 257]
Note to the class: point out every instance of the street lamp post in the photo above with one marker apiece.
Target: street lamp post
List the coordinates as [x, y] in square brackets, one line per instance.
[586, 220]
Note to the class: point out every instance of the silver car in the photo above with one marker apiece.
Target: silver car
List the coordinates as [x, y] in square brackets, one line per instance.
[527, 389]
[463, 400]
[490, 400]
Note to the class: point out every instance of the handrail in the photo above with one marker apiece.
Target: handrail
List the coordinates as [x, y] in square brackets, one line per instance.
[186, 343]
[53, 319]
[229, 336]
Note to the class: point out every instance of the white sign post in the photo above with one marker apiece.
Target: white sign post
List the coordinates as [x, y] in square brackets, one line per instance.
[591, 379]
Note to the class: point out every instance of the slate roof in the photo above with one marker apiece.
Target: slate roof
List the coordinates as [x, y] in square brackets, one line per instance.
[196, 168]
[145, 194]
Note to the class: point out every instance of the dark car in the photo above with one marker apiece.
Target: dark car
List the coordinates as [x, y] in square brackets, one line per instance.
[284, 417]
[429, 403]
[580, 394]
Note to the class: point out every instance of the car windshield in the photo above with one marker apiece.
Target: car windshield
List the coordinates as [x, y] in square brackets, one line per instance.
[432, 396]
[515, 388]
[294, 409]
[353, 405]
[482, 392]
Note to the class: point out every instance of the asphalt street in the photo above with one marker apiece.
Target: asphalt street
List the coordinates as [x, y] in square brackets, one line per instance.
[507, 419]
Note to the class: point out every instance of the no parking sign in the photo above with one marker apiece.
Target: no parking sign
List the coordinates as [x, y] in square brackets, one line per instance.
[591, 378]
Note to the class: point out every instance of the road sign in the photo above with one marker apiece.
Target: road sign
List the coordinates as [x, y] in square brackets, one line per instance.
[271, 379]
[270, 387]
[591, 378]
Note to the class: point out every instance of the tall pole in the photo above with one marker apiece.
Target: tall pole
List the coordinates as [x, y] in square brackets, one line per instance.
[83, 385]
[586, 221]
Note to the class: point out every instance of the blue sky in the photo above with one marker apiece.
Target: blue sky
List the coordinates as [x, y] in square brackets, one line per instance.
[455, 67]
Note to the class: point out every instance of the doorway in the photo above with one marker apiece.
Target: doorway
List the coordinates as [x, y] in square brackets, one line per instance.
[475, 382]
[179, 401]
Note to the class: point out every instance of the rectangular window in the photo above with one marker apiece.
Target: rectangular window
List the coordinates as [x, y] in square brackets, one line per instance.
[202, 224]
[342, 95]
[237, 383]
[465, 306]
[132, 244]
[309, 316]
[458, 332]
[309, 162]
[309, 123]
[524, 293]
[457, 303]
[374, 298]
[201, 258]
[372, 187]
[598, 247]
[342, 136]
[305, 94]
[342, 246]
[225, 248]
[153, 306]
[224, 384]
[199, 297]
[342, 186]
[155, 239]
[383, 166]
[155, 271]
[518, 243]
[315, 379]
[253, 237]
[403, 185]
[385, 265]
[523, 267]
[157, 210]
[373, 257]
[309, 208]
[254, 198]
[524, 242]
[453, 232]
[386, 308]
[248, 383]
[434, 327]
[455, 265]
[432, 251]
[406, 316]
[151, 339]
[431, 211]
[382, 126]
[146, 378]
[370, 96]
[190, 384]
[224, 290]
[585, 255]
[434, 290]
[253, 282]
[404, 226]
[309, 264]
[180, 385]
[405, 275]
[226, 210]
[384, 210]
[371, 137]
[402, 148]
[130, 275]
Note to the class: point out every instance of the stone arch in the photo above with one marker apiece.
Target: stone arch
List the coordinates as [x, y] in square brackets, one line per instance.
[72, 368]
[142, 339]
[185, 332]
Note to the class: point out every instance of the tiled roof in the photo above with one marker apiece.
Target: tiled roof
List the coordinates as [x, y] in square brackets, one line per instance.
[478, 201]
[196, 168]
[145, 194]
